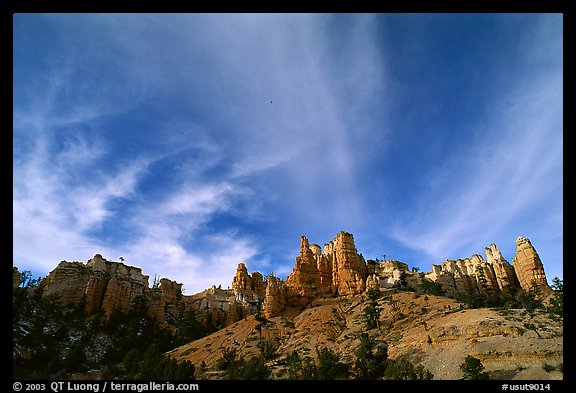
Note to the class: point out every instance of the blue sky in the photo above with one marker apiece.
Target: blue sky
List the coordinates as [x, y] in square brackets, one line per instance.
[187, 143]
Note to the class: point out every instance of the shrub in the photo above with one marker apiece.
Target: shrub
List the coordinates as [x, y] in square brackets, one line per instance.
[371, 358]
[404, 370]
[430, 287]
[473, 368]
[329, 365]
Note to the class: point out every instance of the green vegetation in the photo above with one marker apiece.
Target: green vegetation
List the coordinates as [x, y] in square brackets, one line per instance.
[431, 288]
[371, 363]
[53, 341]
[403, 281]
[190, 329]
[473, 369]
[556, 304]
[404, 370]
[268, 349]
[236, 367]
[371, 358]
[510, 298]
[329, 366]
[371, 313]
[154, 365]
[294, 364]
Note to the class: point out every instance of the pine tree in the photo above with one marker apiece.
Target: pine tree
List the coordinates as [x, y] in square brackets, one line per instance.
[371, 358]
[473, 368]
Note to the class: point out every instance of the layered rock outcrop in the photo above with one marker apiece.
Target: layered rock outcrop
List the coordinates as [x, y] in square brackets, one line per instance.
[528, 266]
[504, 271]
[387, 272]
[275, 300]
[15, 277]
[103, 284]
[304, 283]
[474, 274]
[337, 269]
[349, 271]
[372, 283]
[493, 275]
[248, 288]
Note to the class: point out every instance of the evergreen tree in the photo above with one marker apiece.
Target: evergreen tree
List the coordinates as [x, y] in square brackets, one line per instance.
[372, 310]
[556, 303]
[403, 281]
[371, 358]
[255, 369]
[294, 364]
[329, 365]
[404, 370]
[190, 329]
[430, 287]
[473, 368]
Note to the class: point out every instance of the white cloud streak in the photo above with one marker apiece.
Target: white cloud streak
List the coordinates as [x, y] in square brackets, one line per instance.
[513, 168]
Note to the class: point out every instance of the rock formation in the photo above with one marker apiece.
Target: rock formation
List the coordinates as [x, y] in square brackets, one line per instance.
[69, 281]
[242, 280]
[337, 269]
[303, 284]
[349, 269]
[504, 271]
[474, 274]
[246, 288]
[103, 284]
[275, 296]
[528, 266]
[493, 275]
[388, 272]
[372, 283]
[15, 277]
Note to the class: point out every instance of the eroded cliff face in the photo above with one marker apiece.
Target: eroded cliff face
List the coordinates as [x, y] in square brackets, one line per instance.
[528, 267]
[15, 277]
[349, 271]
[475, 275]
[275, 300]
[493, 275]
[304, 283]
[103, 284]
[337, 269]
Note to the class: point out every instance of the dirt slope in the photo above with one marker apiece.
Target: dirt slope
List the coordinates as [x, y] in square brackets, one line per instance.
[432, 331]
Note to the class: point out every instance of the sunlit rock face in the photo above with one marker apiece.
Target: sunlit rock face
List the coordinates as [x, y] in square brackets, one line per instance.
[528, 266]
[476, 275]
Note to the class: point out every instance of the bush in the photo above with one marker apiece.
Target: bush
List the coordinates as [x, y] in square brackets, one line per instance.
[235, 367]
[255, 369]
[405, 370]
[371, 358]
[556, 303]
[268, 349]
[473, 369]
[294, 364]
[371, 314]
[190, 329]
[431, 288]
[329, 365]
[156, 365]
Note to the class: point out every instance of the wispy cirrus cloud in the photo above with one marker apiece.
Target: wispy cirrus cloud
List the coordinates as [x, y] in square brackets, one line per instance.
[188, 143]
[510, 171]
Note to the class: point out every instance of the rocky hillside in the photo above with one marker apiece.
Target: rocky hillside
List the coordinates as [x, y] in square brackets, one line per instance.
[435, 332]
[337, 269]
[323, 304]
